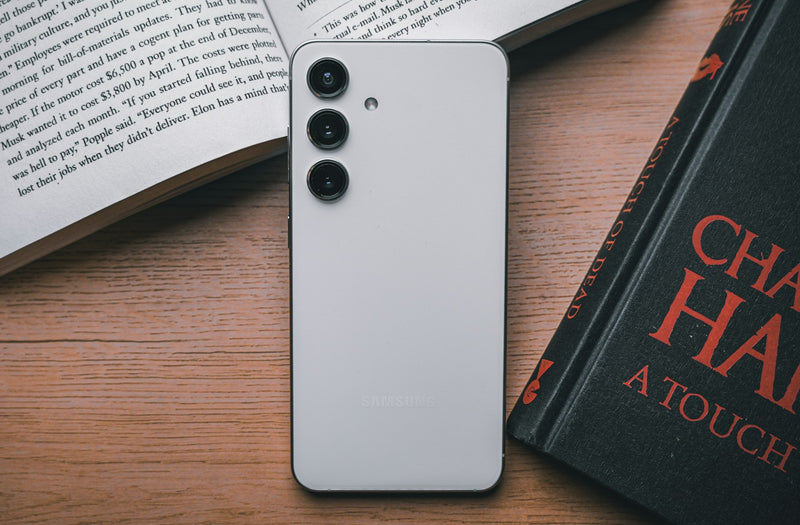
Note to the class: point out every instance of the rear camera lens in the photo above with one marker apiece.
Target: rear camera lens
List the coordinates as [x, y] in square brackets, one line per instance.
[327, 78]
[327, 180]
[327, 129]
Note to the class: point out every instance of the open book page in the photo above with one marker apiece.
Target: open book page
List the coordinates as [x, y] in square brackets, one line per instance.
[102, 99]
[302, 20]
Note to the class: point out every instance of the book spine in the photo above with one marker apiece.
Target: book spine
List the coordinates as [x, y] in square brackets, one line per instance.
[544, 401]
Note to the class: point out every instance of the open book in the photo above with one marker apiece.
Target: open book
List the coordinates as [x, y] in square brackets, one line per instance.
[109, 106]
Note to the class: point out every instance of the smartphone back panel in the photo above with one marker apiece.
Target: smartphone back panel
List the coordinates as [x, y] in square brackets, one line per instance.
[398, 286]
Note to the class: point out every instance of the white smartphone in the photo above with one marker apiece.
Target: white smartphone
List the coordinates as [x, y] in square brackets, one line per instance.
[398, 174]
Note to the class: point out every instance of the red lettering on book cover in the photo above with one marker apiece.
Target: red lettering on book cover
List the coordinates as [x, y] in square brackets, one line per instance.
[742, 255]
[531, 391]
[737, 13]
[770, 333]
[675, 386]
[712, 426]
[678, 307]
[641, 377]
[695, 407]
[708, 67]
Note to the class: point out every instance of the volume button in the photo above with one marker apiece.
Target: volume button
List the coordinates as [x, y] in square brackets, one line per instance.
[289, 146]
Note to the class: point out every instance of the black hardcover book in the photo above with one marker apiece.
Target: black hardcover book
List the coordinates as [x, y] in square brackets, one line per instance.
[674, 376]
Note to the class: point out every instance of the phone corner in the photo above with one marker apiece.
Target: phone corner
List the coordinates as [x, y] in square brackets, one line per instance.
[299, 50]
[501, 55]
[304, 481]
[493, 480]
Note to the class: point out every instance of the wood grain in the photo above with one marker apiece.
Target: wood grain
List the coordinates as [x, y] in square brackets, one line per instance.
[144, 371]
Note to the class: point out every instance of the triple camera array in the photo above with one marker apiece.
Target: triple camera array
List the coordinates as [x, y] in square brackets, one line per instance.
[327, 129]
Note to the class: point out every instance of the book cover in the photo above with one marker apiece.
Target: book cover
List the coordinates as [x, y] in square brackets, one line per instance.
[674, 375]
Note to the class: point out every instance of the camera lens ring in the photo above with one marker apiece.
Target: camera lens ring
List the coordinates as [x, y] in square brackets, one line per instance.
[327, 78]
[327, 180]
[327, 129]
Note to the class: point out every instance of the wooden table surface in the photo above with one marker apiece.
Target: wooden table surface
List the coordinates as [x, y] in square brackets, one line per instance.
[144, 371]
